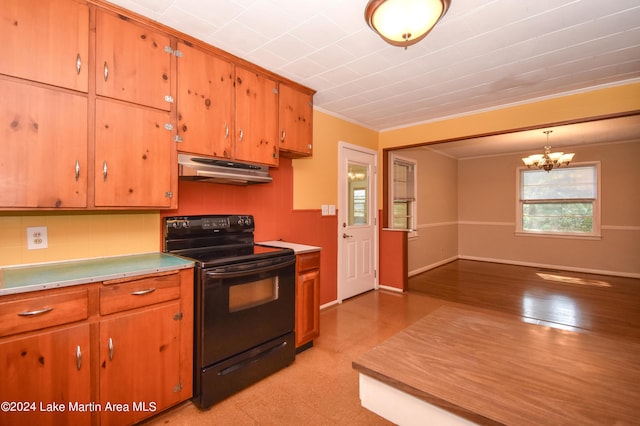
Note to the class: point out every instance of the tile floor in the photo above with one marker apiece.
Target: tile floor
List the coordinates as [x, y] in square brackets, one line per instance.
[320, 387]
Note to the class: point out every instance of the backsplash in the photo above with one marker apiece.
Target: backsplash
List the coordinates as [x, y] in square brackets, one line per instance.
[78, 235]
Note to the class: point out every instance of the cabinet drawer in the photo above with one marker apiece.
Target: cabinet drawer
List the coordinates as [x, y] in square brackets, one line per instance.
[308, 261]
[118, 295]
[41, 311]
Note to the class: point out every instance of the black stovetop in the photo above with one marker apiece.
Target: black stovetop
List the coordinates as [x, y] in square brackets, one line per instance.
[214, 240]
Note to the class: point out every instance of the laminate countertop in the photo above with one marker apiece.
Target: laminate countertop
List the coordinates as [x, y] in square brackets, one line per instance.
[298, 248]
[19, 279]
[495, 369]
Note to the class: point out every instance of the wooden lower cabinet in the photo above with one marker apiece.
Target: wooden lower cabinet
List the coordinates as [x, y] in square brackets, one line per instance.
[42, 374]
[124, 353]
[307, 298]
[139, 364]
[146, 345]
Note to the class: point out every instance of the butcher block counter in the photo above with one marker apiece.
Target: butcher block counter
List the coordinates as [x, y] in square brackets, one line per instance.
[458, 366]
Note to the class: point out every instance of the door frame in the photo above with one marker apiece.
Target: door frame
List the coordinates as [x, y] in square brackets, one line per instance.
[342, 209]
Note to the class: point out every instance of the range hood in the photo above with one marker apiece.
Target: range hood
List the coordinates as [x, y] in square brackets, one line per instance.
[205, 169]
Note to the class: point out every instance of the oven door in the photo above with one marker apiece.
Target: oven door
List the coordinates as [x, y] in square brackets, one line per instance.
[245, 305]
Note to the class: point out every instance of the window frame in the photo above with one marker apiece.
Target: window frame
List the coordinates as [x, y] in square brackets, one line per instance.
[596, 206]
[413, 215]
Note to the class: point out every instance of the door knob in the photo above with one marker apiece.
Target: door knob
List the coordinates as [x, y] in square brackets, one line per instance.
[347, 236]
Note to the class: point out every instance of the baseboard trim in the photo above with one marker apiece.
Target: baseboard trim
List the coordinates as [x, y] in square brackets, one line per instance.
[432, 266]
[389, 288]
[518, 263]
[551, 266]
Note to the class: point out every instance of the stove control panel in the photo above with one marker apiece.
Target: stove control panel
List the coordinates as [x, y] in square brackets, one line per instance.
[210, 223]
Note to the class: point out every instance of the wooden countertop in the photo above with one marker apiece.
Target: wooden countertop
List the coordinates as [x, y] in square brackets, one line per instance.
[26, 278]
[495, 369]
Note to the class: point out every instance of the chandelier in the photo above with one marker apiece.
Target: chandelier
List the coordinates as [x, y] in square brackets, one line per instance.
[404, 22]
[548, 160]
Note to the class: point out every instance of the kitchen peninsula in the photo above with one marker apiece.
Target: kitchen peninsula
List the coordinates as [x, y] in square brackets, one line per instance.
[459, 366]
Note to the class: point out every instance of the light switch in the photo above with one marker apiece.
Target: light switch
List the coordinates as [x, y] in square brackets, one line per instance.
[325, 210]
[332, 209]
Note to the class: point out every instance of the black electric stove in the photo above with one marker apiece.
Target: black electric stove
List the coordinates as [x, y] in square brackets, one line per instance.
[244, 302]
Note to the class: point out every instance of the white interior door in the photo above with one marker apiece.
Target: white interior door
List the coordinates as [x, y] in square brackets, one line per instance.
[357, 221]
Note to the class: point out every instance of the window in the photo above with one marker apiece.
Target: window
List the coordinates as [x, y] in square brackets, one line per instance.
[402, 193]
[561, 202]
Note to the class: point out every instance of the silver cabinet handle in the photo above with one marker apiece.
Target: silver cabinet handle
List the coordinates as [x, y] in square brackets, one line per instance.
[347, 236]
[241, 135]
[78, 64]
[226, 131]
[106, 71]
[35, 313]
[105, 170]
[77, 170]
[78, 357]
[284, 135]
[110, 349]
[143, 292]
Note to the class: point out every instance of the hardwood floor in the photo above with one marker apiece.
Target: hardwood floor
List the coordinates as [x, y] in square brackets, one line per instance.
[569, 300]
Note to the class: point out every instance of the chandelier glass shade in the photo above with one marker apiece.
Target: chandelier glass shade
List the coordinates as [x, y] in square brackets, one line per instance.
[548, 160]
[404, 22]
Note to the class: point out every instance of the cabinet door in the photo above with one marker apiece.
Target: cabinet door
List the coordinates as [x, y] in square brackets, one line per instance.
[44, 147]
[256, 118]
[140, 363]
[205, 103]
[44, 372]
[131, 62]
[133, 156]
[307, 307]
[46, 41]
[296, 121]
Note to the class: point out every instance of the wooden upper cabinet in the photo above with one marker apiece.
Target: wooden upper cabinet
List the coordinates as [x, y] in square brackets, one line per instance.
[131, 62]
[133, 156]
[256, 117]
[43, 146]
[296, 121]
[46, 41]
[205, 103]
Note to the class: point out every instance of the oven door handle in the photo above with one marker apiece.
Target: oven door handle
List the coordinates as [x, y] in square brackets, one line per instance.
[242, 269]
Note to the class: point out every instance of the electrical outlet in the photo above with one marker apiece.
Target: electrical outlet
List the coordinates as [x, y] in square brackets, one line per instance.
[37, 237]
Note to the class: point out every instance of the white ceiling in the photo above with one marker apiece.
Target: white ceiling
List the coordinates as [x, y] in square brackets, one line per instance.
[482, 55]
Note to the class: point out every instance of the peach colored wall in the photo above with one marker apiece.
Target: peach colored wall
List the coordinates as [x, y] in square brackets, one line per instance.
[487, 198]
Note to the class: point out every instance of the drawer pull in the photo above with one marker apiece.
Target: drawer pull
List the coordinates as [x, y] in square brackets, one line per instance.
[110, 349]
[78, 357]
[143, 292]
[35, 313]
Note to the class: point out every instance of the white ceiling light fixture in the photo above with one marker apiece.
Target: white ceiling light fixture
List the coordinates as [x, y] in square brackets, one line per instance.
[548, 160]
[404, 22]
